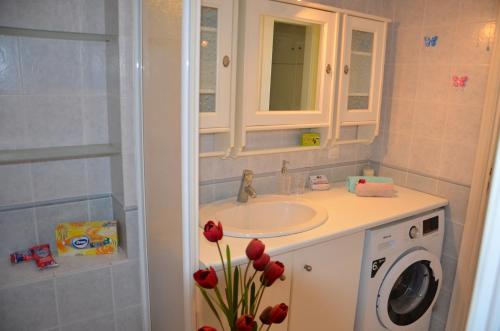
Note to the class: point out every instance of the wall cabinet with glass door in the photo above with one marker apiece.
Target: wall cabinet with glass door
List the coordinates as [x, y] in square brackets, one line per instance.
[361, 76]
[217, 70]
[286, 69]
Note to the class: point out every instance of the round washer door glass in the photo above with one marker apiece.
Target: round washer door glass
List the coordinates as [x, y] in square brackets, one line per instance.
[409, 290]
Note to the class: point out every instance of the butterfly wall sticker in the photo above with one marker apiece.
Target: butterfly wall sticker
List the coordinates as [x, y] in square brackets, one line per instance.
[430, 41]
[459, 81]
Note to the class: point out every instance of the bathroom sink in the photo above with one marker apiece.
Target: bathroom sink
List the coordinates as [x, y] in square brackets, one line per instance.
[265, 216]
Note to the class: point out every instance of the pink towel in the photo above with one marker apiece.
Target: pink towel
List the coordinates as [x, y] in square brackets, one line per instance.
[375, 190]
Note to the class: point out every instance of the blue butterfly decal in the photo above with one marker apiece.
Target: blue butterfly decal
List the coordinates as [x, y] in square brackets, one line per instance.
[430, 41]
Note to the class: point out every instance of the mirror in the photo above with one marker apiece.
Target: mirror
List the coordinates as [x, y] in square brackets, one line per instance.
[289, 70]
[208, 59]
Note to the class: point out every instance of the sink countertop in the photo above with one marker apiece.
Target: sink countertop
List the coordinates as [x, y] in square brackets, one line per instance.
[347, 214]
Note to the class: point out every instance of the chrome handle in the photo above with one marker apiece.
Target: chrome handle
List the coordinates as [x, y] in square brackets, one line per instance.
[328, 68]
[308, 268]
[226, 61]
[346, 69]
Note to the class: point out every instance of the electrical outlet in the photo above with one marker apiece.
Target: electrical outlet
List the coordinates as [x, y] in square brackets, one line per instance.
[334, 153]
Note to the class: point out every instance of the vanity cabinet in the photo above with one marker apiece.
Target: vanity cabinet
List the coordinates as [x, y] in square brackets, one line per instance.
[325, 285]
[321, 287]
[218, 19]
[361, 75]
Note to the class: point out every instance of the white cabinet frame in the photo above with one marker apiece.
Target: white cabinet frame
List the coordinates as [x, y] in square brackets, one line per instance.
[253, 16]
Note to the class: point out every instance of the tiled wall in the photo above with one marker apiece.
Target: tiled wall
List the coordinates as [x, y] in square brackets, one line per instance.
[59, 93]
[430, 128]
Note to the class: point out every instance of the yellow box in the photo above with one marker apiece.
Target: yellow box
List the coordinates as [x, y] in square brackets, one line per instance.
[310, 139]
[86, 238]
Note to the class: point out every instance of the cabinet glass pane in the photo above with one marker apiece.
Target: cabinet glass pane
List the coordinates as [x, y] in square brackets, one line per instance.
[209, 17]
[294, 66]
[357, 102]
[207, 103]
[362, 41]
[208, 59]
[359, 81]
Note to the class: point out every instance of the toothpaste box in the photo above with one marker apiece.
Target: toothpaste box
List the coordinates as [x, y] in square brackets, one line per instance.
[86, 238]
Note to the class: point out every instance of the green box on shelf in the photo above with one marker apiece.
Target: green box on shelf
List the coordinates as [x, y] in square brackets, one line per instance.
[310, 139]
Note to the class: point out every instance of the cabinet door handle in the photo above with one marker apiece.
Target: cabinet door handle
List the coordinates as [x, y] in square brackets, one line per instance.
[346, 69]
[328, 69]
[282, 277]
[226, 61]
[308, 268]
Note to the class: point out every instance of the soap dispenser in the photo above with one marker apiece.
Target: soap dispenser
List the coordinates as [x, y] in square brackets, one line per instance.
[284, 180]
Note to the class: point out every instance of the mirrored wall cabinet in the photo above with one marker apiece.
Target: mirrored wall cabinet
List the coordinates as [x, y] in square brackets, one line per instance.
[273, 70]
[287, 74]
[217, 81]
[360, 80]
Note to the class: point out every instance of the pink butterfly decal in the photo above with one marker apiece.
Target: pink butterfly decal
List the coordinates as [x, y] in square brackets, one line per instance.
[459, 81]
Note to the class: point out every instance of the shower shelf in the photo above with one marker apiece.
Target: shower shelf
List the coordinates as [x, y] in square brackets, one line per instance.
[48, 34]
[27, 272]
[57, 153]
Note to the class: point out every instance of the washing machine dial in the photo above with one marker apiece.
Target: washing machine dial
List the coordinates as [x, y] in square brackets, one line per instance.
[413, 232]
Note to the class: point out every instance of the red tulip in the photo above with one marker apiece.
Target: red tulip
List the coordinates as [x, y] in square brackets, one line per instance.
[245, 323]
[265, 316]
[261, 262]
[207, 328]
[206, 278]
[278, 313]
[213, 232]
[273, 271]
[255, 249]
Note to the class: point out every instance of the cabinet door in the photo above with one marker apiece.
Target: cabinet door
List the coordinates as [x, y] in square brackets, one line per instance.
[276, 294]
[362, 63]
[325, 285]
[216, 63]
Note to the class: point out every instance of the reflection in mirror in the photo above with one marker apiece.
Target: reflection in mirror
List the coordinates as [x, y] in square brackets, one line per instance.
[294, 68]
[208, 59]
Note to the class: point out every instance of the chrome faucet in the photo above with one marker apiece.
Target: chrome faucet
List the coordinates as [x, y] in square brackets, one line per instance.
[246, 188]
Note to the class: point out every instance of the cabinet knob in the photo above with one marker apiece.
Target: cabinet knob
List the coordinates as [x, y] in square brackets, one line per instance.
[282, 277]
[226, 61]
[346, 69]
[328, 68]
[308, 267]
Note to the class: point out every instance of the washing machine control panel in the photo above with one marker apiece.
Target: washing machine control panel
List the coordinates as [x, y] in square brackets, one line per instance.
[430, 225]
[413, 233]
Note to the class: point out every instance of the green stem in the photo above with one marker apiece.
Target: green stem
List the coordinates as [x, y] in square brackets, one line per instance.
[268, 327]
[258, 302]
[222, 260]
[225, 309]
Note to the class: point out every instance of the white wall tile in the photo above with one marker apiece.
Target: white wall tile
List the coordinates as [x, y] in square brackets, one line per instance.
[404, 85]
[449, 268]
[433, 83]
[8, 12]
[101, 209]
[49, 14]
[98, 175]
[422, 183]
[457, 162]
[440, 12]
[452, 239]
[473, 92]
[9, 64]
[127, 284]
[408, 44]
[444, 49]
[53, 120]
[397, 150]
[93, 67]
[425, 155]
[409, 12]
[28, 307]
[59, 179]
[458, 197]
[429, 120]
[77, 302]
[473, 43]
[400, 116]
[441, 307]
[17, 230]
[105, 322]
[15, 183]
[93, 18]
[50, 66]
[13, 132]
[95, 120]
[462, 124]
[132, 233]
[477, 10]
[130, 319]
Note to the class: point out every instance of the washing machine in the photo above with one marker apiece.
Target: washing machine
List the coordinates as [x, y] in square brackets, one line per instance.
[401, 274]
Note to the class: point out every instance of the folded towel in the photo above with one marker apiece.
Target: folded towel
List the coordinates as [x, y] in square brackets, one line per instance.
[375, 190]
[351, 181]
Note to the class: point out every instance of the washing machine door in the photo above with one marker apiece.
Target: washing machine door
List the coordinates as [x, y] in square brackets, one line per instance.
[409, 290]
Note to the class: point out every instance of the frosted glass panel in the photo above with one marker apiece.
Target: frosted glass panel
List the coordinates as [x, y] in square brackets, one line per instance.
[207, 103]
[294, 66]
[360, 74]
[208, 60]
[209, 17]
[357, 102]
[362, 41]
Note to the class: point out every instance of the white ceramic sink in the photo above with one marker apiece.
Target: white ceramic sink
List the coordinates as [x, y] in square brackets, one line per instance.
[265, 216]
